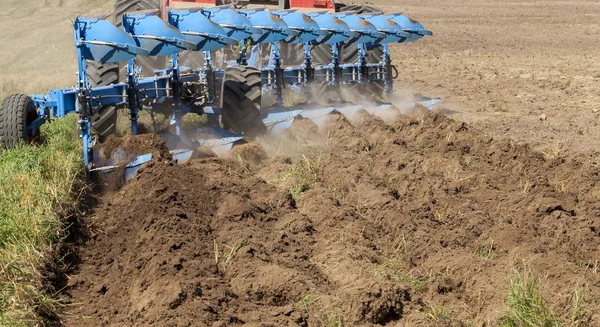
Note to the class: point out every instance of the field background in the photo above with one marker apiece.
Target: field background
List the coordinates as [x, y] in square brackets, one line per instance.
[497, 64]
[37, 51]
[525, 70]
[503, 64]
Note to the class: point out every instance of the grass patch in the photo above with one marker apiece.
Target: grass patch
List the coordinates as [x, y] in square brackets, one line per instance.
[553, 153]
[36, 182]
[437, 315]
[329, 319]
[304, 174]
[322, 319]
[394, 267]
[486, 250]
[526, 306]
[228, 253]
[307, 300]
[580, 314]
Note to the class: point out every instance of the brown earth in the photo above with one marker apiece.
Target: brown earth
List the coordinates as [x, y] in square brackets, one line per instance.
[501, 64]
[393, 223]
[139, 144]
[497, 64]
[420, 222]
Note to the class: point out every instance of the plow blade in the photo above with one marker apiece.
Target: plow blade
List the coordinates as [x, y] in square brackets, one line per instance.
[236, 25]
[132, 167]
[114, 170]
[377, 108]
[306, 28]
[182, 146]
[387, 112]
[428, 102]
[181, 155]
[337, 31]
[101, 41]
[218, 140]
[154, 35]
[204, 33]
[349, 110]
[278, 120]
[414, 29]
[316, 113]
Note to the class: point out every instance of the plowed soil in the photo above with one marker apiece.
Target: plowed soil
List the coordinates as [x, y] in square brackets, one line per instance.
[528, 70]
[363, 223]
[417, 222]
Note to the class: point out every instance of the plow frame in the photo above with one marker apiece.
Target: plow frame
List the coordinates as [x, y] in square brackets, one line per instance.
[84, 100]
[179, 90]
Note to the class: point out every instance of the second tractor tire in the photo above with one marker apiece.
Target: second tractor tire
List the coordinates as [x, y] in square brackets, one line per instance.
[241, 96]
[349, 53]
[149, 64]
[104, 119]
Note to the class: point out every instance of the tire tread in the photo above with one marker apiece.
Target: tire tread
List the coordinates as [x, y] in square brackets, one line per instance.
[241, 98]
[13, 119]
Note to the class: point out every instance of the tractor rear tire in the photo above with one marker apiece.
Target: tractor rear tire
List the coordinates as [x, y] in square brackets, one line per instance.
[17, 112]
[240, 100]
[149, 64]
[292, 54]
[376, 91]
[358, 9]
[321, 54]
[104, 119]
[349, 53]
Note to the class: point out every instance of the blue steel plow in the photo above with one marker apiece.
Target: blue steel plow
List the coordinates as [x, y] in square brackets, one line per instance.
[233, 93]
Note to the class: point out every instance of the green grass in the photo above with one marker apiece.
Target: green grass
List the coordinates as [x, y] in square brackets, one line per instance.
[486, 250]
[329, 319]
[394, 267]
[526, 306]
[227, 256]
[579, 312]
[307, 300]
[304, 174]
[36, 182]
[438, 315]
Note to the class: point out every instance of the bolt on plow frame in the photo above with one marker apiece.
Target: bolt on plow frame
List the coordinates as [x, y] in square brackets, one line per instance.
[160, 57]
